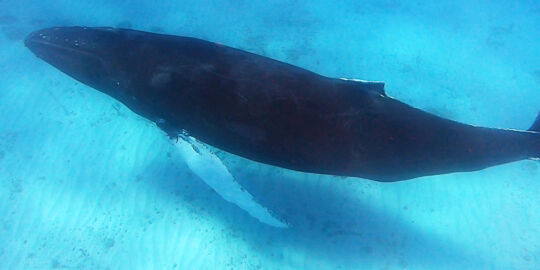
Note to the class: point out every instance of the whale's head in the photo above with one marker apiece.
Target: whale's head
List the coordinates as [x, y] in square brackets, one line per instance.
[93, 56]
[147, 72]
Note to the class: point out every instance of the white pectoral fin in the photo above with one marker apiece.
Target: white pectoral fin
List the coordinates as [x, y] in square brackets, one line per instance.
[207, 166]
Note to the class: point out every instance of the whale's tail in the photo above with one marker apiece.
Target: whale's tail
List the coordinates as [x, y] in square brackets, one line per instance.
[536, 125]
[536, 128]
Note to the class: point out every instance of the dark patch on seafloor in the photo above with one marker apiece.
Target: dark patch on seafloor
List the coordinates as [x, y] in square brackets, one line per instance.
[109, 243]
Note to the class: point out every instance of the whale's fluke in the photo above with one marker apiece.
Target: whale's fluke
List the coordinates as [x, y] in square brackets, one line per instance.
[536, 125]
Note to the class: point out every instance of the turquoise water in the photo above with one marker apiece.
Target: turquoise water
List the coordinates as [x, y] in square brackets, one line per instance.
[85, 183]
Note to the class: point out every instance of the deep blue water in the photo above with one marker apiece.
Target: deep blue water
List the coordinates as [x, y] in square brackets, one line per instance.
[86, 183]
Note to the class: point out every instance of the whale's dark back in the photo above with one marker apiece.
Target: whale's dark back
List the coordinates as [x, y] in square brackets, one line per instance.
[273, 112]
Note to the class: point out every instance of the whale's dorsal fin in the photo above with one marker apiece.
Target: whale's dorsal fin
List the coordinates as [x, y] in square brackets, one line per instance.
[367, 85]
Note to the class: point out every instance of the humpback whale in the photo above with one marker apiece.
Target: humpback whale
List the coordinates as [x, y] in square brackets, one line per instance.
[273, 112]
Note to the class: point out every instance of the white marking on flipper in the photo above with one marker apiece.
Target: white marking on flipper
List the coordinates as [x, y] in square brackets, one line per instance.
[213, 172]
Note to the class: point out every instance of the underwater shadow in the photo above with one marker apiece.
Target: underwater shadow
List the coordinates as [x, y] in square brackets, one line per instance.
[327, 222]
